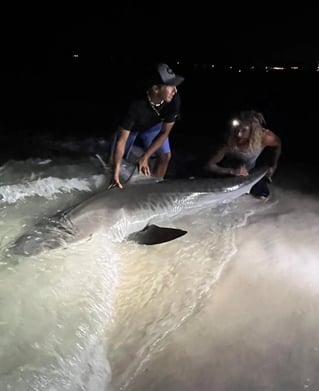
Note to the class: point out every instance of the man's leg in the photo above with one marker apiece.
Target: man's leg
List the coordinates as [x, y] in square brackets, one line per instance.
[162, 155]
[161, 165]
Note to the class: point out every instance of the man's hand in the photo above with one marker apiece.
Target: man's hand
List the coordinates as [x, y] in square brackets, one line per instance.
[143, 166]
[115, 182]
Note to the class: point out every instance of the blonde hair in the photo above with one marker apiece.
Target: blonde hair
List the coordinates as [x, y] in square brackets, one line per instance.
[255, 121]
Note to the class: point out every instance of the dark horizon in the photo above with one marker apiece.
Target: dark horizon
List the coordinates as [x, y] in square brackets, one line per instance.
[81, 104]
[241, 33]
[48, 90]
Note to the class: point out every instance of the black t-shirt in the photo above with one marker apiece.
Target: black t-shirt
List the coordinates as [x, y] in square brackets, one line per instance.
[141, 116]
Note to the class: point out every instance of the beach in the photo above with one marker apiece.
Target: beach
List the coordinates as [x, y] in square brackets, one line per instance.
[257, 329]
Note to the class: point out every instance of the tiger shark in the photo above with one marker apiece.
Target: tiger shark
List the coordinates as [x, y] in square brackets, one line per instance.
[134, 212]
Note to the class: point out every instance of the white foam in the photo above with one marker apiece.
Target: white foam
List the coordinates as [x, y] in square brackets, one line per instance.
[48, 188]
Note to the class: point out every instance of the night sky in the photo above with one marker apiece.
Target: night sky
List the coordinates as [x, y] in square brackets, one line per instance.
[44, 87]
[200, 32]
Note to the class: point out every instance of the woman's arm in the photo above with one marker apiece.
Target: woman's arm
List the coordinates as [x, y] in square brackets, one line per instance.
[271, 140]
[213, 166]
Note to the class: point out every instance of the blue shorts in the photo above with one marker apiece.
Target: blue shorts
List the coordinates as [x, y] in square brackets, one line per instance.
[145, 139]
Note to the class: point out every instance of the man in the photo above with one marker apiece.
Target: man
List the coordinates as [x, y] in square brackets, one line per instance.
[149, 120]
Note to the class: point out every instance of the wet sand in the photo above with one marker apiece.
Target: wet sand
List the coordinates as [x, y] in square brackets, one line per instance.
[258, 329]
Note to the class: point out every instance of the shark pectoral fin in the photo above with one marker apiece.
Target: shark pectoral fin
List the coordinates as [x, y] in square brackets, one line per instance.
[153, 234]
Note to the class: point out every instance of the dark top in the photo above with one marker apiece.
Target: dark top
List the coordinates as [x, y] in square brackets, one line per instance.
[141, 116]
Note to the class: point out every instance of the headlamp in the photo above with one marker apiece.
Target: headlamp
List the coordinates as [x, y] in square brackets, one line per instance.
[235, 122]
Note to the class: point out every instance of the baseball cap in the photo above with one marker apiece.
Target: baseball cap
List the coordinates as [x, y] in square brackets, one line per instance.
[167, 76]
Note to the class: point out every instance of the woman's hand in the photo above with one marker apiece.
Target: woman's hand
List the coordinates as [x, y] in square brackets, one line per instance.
[241, 171]
[271, 171]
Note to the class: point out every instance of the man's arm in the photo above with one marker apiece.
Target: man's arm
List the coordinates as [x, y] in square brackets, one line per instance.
[118, 156]
[157, 143]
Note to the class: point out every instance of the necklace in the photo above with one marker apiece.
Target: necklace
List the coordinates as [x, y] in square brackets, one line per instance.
[155, 106]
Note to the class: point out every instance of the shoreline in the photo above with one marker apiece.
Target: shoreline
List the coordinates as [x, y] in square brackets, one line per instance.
[257, 329]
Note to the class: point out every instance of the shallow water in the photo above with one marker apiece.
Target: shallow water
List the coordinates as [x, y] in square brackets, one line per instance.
[231, 304]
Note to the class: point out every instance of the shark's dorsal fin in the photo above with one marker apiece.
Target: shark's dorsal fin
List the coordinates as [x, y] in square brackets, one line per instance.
[153, 234]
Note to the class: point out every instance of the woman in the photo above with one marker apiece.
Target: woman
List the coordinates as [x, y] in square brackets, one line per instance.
[246, 139]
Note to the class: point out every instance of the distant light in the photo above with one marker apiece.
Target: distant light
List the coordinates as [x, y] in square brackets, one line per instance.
[213, 66]
[278, 68]
[177, 62]
[295, 68]
[75, 56]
